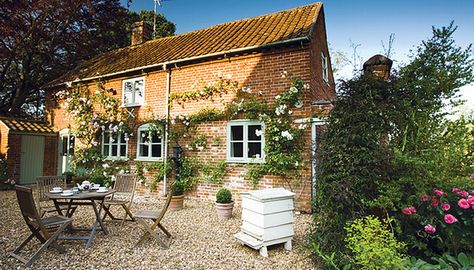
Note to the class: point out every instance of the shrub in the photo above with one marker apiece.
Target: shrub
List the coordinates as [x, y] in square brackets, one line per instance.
[224, 196]
[178, 188]
[373, 245]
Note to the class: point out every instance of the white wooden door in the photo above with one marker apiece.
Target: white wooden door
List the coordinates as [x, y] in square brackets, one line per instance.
[32, 156]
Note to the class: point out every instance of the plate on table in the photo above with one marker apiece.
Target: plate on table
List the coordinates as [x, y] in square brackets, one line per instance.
[55, 191]
[102, 191]
[65, 194]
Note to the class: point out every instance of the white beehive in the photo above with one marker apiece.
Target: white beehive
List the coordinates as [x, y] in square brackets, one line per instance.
[267, 219]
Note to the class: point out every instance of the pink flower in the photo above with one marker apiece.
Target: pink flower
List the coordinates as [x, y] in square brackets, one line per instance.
[439, 192]
[424, 198]
[430, 229]
[470, 199]
[409, 210]
[471, 176]
[456, 190]
[435, 203]
[445, 206]
[463, 193]
[450, 219]
[464, 204]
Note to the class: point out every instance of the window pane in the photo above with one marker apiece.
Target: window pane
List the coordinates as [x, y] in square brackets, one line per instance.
[114, 151]
[72, 141]
[114, 137]
[105, 150]
[237, 150]
[253, 130]
[237, 133]
[143, 136]
[123, 150]
[138, 91]
[64, 146]
[155, 138]
[156, 150]
[128, 92]
[106, 138]
[255, 149]
[122, 137]
[143, 150]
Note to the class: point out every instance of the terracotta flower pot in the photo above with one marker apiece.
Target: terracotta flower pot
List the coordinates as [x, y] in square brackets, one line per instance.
[224, 210]
[176, 202]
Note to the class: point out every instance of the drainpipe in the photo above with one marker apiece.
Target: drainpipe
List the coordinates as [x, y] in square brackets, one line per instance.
[168, 87]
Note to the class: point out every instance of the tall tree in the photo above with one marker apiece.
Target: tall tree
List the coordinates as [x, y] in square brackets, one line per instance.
[39, 40]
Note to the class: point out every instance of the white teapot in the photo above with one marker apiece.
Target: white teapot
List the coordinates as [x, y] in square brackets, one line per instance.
[86, 185]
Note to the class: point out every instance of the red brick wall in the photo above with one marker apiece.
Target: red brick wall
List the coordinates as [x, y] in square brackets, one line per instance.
[14, 156]
[259, 71]
[50, 162]
[320, 90]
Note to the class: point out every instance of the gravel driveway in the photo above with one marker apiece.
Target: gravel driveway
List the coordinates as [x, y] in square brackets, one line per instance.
[200, 241]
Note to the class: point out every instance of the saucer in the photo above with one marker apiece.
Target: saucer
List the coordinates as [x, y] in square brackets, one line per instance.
[67, 194]
[55, 191]
[102, 191]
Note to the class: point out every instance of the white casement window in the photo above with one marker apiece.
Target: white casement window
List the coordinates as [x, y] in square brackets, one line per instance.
[245, 141]
[325, 67]
[150, 144]
[114, 145]
[133, 92]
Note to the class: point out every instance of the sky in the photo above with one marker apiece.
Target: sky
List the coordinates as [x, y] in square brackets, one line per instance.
[365, 23]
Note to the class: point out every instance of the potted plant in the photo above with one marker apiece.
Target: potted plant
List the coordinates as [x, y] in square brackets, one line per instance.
[224, 203]
[68, 176]
[178, 196]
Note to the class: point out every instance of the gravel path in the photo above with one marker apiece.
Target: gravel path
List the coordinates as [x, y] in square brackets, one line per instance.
[200, 241]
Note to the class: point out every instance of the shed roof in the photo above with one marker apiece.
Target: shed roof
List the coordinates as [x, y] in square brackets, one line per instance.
[253, 33]
[16, 125]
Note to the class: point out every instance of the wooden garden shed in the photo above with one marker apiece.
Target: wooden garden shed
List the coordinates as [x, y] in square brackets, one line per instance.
[29, 147]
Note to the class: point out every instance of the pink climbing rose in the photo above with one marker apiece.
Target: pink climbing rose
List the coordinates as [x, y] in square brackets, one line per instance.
[430, 229]
[464, 204]
[450, 219]
[445, 206]
[424, 198]
[439, 192]
[409, 210]
[470, 200]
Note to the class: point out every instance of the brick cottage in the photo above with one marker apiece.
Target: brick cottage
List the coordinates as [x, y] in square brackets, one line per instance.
[257, 53]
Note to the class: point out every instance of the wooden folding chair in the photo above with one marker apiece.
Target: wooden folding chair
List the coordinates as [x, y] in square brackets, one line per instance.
[156, 217]
[44, 185]
[124, 191]
[46, 230]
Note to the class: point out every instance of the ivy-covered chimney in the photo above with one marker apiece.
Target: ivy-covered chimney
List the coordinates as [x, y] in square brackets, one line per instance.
[141, 32]
[378, 66]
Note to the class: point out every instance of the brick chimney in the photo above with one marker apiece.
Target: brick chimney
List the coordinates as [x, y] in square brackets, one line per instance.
[378, 66]
[141, 32]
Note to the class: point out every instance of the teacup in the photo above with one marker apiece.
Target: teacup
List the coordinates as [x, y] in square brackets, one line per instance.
[57, 189]
[102, 188]
[96, 186]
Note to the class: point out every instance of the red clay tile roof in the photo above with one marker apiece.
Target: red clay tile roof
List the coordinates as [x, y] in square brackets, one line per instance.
[16, 125]
[253, 32]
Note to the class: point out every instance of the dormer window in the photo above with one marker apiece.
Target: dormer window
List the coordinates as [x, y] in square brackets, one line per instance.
[133, 92]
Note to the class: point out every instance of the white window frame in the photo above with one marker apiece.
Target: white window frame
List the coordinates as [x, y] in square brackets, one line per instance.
[108, 156]
[324, 67]
[145, 127]
[245, 159]
[134, 104]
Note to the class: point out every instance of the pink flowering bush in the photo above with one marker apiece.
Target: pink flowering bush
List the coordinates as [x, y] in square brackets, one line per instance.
[441, 222]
